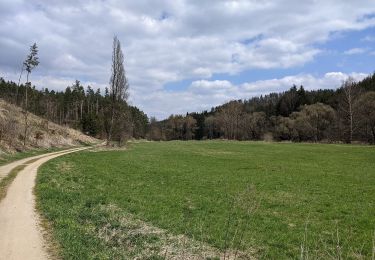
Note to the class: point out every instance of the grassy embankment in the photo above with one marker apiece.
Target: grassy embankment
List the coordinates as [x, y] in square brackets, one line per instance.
[242, 198]
[11, 157]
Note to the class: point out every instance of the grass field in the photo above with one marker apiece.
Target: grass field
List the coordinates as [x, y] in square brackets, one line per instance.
[212, 198]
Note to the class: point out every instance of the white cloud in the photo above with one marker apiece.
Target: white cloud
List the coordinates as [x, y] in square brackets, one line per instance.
[169, 41]
[355, 51]
[368, 38]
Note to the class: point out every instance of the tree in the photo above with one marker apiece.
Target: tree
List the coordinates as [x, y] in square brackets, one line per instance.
[175, 127]
[255, 124]
[90, 124]
[139, 121]
[78, 94]
[210, 124]
[199, 130]
[366, 108]
[313, 121]
[348, 109]
[302, 97]
[155, 132]
[118, 85]
[229, 119]
[30, 63]
[189, 126]
[288, 102]
[284, 128]
[19, 82]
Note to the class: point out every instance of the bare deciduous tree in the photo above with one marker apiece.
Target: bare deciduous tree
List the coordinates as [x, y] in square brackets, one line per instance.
[229, 118]
[209, 123]
[19, 82]
[189, 127]
[366, 107]
[348, 107]
[313, 122]
[118, 84]
[254, 125]
[155, 132]
[283, 128]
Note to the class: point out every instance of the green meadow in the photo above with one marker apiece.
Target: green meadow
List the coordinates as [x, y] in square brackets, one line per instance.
[214, 199]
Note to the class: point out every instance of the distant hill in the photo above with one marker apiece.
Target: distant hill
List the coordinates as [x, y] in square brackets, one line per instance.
[41, 132]
[344, 114]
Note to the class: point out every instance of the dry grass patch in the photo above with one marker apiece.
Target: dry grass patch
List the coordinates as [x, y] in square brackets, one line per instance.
[134, 238]
[65, 166]
[108, 148]
[40, 132]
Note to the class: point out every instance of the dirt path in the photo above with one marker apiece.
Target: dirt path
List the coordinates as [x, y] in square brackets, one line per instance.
[20, 234]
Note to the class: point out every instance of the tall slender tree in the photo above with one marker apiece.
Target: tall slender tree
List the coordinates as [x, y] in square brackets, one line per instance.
[32, 61]
[118, 85]
[349, 98]
[19, 82]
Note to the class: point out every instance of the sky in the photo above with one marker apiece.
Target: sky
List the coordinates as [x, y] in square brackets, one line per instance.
[190, 55]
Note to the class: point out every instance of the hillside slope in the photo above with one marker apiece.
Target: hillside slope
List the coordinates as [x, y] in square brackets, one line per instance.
[41, 132]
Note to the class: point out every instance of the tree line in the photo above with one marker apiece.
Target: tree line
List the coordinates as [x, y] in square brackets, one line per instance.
[345, 114]
[104, 115]
[79, 107]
